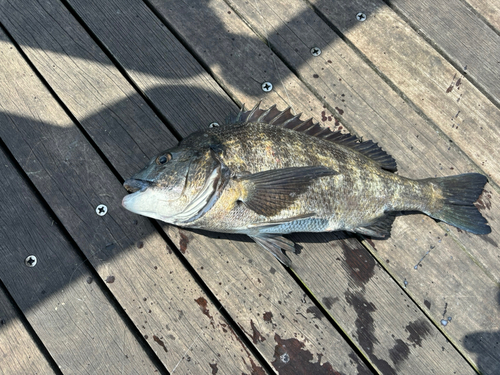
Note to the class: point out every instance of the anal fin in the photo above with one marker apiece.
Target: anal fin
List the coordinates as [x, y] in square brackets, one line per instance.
[274, 244]
[379, 228]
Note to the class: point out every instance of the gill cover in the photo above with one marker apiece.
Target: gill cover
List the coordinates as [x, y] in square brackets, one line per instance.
[178, 186]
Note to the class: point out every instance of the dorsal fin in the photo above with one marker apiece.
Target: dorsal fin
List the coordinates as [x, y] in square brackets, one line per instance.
[287, 119]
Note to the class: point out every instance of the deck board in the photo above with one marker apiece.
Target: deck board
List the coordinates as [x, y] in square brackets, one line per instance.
[134, 77]
[252, 71]
[442, 22]
[59, 295]
[423, 140]
[19, 351]
[131, 258]
[281, 328]
[487, 10]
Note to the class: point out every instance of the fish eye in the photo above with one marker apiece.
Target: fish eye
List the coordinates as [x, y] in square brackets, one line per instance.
[163, 159]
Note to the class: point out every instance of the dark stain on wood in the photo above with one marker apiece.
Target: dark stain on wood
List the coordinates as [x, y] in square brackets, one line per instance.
[372, 244]
[399, 352]
[202, 302]
[256, 370]
[427, 304]
[272, 270]
[340, 111]
[360, 263]
[484, 201]
[90, 280]
[329, 301]
[183, 243]
[268, 316]
[290, 358]
[214, 368]
[160, 342]
[315, 311]
[365, 329]
[140, 244]
[110, 279]
[418, 330]
[256, 336]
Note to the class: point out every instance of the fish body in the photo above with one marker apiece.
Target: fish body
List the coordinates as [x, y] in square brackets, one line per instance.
[268, 173]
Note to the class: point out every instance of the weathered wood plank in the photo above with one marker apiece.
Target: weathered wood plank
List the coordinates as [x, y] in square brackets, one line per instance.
[79, 326]
[204, 16]
[489, 10]
[148, 280]
[460, 35]
[376, 104]
[19, 353]
[432, 85]
[330, 349]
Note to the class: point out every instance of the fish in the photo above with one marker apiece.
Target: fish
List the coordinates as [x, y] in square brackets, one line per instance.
[267, 173]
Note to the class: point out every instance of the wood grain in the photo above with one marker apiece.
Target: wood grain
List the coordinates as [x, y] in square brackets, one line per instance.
[367, 100]
[442, 22]
[252, 68]
[489, 10]
[329, 350]
[58, 296]
[19, 352]
[131, 258]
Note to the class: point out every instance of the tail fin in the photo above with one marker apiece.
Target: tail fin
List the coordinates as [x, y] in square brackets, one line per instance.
[460, 192]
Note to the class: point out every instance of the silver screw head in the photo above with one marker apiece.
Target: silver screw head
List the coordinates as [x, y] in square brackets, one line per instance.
[30, 261]
[267, 86]
[361, 17]
[315, 51]
[101, 210]
[214, 125]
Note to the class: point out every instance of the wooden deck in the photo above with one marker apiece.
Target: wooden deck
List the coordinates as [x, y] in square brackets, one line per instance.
[90, 90]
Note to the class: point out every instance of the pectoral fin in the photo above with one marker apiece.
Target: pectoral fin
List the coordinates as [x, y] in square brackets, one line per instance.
[274, 243]
[269, 192]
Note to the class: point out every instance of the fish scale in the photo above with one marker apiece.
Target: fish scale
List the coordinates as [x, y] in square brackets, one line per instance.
[268, 173]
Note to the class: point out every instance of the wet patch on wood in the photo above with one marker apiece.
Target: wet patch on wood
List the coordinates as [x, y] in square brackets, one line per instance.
[418, 330]
[315, 311]
[361, 265]
[290, 357]
[399, 352]
[329, 301]
[365, 328]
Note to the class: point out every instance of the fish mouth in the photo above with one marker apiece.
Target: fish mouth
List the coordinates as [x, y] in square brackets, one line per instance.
[134, 185]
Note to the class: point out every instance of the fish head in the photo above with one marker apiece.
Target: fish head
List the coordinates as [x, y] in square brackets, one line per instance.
[175, 184]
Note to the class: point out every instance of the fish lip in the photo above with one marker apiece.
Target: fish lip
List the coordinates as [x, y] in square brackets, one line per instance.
[134, 185]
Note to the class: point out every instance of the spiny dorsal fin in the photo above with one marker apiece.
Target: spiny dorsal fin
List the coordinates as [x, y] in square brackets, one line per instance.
[286, 119]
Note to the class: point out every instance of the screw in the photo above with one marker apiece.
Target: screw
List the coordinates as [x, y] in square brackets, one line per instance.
[101, 210]
[214, 125]
[267, 86]
[361, 17]
[315, 51]
[30, 261]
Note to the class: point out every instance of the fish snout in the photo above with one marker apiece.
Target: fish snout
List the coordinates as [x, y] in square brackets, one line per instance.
[132, 185]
